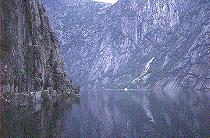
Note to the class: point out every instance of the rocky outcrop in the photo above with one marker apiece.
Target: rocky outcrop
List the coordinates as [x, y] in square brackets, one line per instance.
[30, 50]
[160, 44]
[75, 24]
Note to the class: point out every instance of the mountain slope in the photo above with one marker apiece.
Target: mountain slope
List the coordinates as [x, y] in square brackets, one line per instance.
[134, 43]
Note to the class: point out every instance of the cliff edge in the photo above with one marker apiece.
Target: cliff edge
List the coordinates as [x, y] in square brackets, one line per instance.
[30, 51]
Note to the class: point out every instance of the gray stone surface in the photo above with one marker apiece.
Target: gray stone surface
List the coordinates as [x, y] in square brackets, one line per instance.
[31, 51]
[135, 43]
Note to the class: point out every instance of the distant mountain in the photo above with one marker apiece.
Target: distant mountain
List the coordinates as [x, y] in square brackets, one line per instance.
[135, 43]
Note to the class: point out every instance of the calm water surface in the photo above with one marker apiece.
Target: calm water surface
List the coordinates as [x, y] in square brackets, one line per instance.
[113, 114]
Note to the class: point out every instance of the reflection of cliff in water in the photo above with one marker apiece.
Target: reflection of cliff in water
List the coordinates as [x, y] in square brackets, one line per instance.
[114, 114]
[42, 120]
[142, 114]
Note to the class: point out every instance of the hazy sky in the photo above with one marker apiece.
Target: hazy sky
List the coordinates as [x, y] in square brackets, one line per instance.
[108, 1]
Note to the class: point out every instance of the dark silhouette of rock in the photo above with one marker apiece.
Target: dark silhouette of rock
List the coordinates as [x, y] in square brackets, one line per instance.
[30, 51]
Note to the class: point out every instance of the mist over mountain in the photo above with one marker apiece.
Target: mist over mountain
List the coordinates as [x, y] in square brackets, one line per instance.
[160, 44]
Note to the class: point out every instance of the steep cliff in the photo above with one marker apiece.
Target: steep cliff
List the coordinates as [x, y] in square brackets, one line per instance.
[136, 43]
[30, 50]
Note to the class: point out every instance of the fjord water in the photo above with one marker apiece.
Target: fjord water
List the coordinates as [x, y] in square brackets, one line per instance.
[113, 113]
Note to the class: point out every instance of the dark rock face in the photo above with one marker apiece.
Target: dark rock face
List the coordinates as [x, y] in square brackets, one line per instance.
[31, 60]
[136, 43]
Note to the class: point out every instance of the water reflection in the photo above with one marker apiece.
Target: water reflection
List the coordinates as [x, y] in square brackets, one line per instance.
[114, 114]
[135, 114]
[43, 120]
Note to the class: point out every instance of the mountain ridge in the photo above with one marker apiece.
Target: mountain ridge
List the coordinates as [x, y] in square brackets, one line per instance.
[115, 49]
